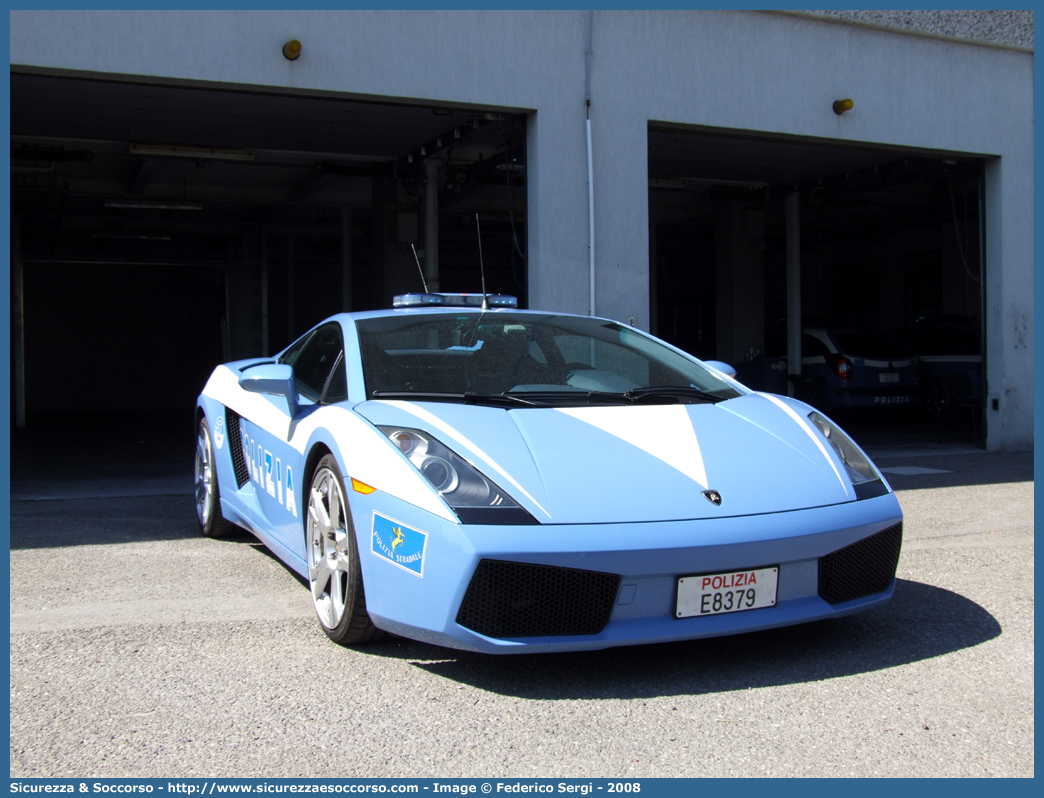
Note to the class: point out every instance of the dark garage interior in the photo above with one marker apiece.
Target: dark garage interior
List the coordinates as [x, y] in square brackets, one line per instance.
[160, 229]
[890, 244]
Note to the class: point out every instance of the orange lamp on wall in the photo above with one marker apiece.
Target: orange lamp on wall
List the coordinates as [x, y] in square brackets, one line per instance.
[840, 106]
[292, 50]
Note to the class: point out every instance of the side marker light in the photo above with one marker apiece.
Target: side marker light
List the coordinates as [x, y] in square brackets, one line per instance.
[361, 487]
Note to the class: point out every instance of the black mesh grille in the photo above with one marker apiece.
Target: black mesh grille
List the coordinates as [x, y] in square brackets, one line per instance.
[862, 569]
[512, 599]
[235, 446]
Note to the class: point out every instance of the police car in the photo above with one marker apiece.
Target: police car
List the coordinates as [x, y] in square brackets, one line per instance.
[459, 471]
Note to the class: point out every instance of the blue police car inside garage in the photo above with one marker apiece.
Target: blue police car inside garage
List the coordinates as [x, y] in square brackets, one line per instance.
[843, 369]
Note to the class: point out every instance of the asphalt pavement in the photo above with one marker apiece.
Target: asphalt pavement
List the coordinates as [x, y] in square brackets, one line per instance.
[140, 648]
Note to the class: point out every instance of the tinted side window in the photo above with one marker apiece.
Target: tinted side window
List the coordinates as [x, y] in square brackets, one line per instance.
[883, 345]
[337, 387]
[945, 341]
[812, 347]
[291, 353]
[315, 361]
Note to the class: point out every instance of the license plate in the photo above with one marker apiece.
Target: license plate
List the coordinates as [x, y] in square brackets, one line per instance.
[735, 591]
[888, 377]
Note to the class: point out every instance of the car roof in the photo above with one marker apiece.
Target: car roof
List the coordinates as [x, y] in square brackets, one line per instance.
[452, 310]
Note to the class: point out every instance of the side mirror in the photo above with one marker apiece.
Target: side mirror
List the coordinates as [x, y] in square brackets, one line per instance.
[724, 368]
[275, 379]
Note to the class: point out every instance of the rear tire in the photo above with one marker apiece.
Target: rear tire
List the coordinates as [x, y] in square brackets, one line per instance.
[334, 572]
[208, 498]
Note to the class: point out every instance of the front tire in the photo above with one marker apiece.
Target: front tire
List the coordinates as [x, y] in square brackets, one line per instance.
[208, 502]
[334, 573]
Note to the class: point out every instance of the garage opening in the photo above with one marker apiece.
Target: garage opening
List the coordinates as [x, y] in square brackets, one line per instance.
[886, 274]
[162, 228]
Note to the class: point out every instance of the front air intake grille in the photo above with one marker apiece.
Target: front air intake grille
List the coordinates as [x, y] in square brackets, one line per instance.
[513, 599]
[235, 446]
[862, 569]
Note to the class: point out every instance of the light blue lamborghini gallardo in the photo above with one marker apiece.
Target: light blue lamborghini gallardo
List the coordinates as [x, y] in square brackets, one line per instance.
[516, 481]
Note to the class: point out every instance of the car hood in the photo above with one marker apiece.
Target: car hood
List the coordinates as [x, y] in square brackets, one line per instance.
[574, 465]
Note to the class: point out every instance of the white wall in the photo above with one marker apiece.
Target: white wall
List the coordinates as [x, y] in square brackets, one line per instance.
[746, 70]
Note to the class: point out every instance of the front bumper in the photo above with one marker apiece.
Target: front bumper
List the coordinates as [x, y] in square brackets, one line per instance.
[648, 558]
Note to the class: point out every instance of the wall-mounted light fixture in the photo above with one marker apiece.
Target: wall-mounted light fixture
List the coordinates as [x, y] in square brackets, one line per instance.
[292, 50]
[840, 106]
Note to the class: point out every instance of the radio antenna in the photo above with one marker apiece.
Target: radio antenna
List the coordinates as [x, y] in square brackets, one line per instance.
[482, 269]
[423, 281]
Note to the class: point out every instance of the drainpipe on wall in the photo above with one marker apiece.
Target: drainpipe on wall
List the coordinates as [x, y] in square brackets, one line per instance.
[590, 163]
[431, 225]
[793, 205]
[983, 357]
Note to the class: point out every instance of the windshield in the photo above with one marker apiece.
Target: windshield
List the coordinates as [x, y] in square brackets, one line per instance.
[523, 355]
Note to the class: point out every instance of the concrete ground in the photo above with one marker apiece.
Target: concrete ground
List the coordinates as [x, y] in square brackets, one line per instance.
[140, 648]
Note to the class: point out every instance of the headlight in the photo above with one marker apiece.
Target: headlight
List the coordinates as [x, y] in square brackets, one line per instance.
[459, 483]
[859, 468]
[440, 474]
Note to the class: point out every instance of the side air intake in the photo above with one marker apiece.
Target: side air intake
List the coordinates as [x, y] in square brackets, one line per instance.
[235, 447]
[861, 569]
[513, 599]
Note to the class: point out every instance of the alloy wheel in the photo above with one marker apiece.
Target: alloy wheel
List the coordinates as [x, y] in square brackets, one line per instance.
[204, 476]
[329, 558]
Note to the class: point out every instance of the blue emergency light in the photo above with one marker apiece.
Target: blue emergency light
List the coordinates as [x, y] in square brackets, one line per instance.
[454, 300]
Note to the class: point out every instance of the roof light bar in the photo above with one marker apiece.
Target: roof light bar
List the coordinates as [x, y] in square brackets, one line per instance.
[453, 300]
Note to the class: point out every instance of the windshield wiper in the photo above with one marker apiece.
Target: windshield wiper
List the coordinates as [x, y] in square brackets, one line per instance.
[673, 391]
[568, 397]
[467, 397]
[555, 398]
